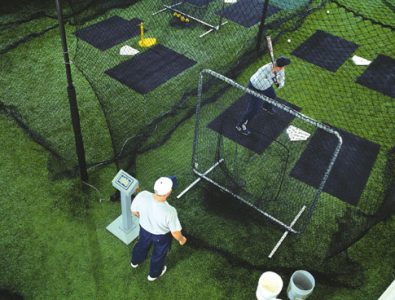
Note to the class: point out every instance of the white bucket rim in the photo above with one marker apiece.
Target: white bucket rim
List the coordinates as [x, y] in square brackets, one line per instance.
[310, 278]
[273, 277]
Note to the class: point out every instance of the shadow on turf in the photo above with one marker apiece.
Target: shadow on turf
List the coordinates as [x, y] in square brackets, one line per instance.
[348, 275]
[9, 295]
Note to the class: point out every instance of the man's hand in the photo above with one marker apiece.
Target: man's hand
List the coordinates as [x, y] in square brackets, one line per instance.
[182, 241]
[179, 237]
[276, 79]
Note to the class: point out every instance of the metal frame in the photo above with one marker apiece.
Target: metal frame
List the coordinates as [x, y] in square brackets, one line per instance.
[279, 106]
[288, 228]
[174, 9]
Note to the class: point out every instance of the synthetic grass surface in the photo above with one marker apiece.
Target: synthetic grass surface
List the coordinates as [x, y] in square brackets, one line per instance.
[54, 243]
[34, 85]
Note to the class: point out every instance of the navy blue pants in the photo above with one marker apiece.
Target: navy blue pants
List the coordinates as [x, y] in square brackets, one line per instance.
[161, 243]
[255, 103]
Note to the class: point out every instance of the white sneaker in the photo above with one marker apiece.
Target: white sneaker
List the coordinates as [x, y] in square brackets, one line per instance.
[161, 274]
[243, 129]
[133, 266]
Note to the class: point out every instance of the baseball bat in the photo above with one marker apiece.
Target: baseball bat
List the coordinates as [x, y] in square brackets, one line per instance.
[270, 48]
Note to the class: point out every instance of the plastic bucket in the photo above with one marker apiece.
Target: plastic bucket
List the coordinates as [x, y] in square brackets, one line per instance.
[301, 285]
[270, 285]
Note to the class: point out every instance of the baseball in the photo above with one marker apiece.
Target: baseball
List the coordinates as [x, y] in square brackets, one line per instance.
[289, 40]
[327, 11]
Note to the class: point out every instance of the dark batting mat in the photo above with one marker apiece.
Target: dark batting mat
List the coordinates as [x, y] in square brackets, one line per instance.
[247, 12]
[380, 76]
[350, 171]
[150, 69]
[110, 32]
[264, 127]
[325, 50]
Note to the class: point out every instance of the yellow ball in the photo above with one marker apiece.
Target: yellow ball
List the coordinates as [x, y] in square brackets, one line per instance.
[182, 18]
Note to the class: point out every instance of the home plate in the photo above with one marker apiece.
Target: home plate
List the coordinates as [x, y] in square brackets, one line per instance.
[297, 134]
[360, 61]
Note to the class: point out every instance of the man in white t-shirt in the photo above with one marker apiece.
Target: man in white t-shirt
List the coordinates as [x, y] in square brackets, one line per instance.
[158, 223]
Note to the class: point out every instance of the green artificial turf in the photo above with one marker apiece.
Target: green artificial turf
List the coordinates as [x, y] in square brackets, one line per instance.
[377, 10]
[13, 13]
[13, 35]
[130, 112]
[35, 85]
[54, 243]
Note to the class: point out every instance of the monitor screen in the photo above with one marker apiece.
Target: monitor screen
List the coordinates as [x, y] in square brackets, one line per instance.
[125, 182]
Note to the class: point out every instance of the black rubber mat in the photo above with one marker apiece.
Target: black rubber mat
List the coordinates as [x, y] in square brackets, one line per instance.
[110, 32]
[247, 12]
[380, 76]
[150, 69]
[264, 127]
[350, 171]
[325, 50]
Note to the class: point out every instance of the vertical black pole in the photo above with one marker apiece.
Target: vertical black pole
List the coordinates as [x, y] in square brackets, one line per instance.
[261, 25]
[75, 117]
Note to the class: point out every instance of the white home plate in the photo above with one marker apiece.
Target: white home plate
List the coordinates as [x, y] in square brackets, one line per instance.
[360, 61]
[297, 134]
[127, 50]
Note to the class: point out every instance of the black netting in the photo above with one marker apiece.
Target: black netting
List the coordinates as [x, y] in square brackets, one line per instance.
[146, 101]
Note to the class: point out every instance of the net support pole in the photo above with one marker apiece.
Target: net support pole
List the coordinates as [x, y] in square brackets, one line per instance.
[75, 117]
[262, 25]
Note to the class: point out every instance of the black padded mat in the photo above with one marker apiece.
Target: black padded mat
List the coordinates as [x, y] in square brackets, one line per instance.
[247, 12]
[110, 32]
[325, 50]
[264, 127]
[150, 69]
[380, 76]
[350, 171]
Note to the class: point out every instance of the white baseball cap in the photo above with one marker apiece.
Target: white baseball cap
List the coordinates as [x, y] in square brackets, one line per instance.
[163, 186]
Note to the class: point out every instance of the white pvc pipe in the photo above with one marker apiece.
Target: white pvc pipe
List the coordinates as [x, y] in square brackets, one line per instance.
[286, 233]
[197, 180]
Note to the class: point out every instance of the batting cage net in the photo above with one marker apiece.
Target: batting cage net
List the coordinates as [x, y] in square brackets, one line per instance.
[260, 168]
[192, 12]
[140, 61]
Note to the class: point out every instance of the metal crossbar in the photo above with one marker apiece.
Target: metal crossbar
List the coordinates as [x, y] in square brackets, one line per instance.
[174, 8]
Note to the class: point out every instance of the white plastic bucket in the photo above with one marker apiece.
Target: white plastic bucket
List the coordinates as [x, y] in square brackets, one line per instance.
[270, 285]
[301, 285]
